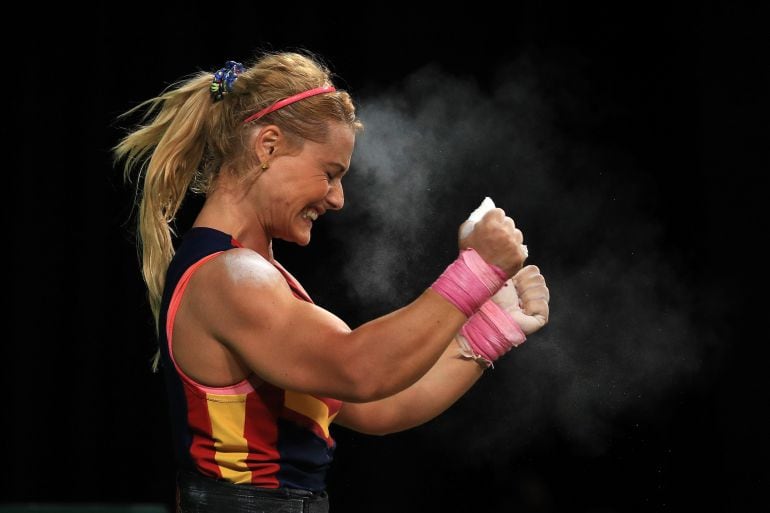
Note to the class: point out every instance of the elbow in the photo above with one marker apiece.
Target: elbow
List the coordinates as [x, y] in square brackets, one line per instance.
[370, 384]
[367, 389]
[368, 378]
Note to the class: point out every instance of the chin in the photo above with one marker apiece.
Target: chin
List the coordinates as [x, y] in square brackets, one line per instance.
[300, 239]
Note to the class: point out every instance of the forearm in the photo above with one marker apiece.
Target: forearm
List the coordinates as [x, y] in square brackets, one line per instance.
[394, 351]
[417, 334]
[433, 394]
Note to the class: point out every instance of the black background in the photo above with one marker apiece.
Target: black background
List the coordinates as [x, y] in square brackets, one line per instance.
[86, 419]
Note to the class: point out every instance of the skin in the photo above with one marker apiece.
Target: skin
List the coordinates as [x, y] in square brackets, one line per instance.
[238, 316]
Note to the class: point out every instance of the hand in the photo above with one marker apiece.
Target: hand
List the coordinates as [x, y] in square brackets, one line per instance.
[525, 297]
[497, 240]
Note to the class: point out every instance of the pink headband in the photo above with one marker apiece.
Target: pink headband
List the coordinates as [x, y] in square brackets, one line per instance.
[287, 101]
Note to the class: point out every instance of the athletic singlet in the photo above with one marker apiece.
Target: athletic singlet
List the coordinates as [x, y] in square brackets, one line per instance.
[258, 434]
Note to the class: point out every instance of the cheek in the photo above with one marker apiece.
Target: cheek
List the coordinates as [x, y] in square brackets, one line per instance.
[300, 195]
[318, 190]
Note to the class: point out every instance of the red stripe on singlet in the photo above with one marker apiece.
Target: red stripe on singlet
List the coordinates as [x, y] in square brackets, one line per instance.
[202, 448]
[261, 434]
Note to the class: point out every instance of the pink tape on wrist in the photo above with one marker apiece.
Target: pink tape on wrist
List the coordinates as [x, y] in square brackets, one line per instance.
[467, 352]
[492, 332]
[469, 281]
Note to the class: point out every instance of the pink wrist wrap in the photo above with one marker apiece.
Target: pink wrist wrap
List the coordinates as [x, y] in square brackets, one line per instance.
[491, 333]
[469, 281]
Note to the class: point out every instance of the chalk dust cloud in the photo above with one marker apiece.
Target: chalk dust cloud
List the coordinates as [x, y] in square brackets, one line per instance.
[620, 334]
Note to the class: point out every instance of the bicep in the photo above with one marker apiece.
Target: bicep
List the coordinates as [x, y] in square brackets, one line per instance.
[294, 345]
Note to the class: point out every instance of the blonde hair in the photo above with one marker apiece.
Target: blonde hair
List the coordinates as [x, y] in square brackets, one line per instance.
[191, 139]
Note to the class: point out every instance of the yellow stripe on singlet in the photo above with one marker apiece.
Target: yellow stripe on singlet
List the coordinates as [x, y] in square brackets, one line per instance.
[228, 418]
[310, 407]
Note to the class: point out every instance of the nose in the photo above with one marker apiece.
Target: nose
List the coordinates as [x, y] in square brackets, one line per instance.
[336, 196]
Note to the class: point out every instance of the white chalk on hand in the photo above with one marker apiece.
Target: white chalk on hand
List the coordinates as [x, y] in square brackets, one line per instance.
[477, 215]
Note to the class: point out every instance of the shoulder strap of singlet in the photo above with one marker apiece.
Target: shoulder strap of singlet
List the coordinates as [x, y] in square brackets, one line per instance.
[294, 285]
[196, 244]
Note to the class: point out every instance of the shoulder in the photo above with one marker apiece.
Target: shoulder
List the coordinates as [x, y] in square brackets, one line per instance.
[241, 269]
[237, 289]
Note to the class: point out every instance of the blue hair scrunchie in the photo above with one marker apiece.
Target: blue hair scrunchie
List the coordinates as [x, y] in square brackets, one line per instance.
[224, 79]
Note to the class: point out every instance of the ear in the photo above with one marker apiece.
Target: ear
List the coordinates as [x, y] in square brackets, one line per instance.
[268, 141]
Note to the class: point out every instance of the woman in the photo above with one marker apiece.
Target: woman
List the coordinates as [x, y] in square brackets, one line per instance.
[255, 372]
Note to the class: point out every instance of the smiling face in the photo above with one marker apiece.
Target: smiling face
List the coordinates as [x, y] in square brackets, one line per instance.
[301, 185]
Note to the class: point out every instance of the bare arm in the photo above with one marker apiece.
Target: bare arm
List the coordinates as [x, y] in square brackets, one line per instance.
[436, 391]
[242, 301]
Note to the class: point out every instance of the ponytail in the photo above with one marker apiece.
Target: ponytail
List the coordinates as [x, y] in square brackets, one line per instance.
[175, 140]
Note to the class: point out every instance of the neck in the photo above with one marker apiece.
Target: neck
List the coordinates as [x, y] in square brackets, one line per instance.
[231, 214]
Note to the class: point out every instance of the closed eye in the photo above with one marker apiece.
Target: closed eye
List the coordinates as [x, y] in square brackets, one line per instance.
[338, 170]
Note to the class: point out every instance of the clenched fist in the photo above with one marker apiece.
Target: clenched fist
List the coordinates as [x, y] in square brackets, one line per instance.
[497, 240]
[525, 297]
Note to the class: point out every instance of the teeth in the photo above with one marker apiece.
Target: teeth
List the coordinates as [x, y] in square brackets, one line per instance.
[310, 214]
